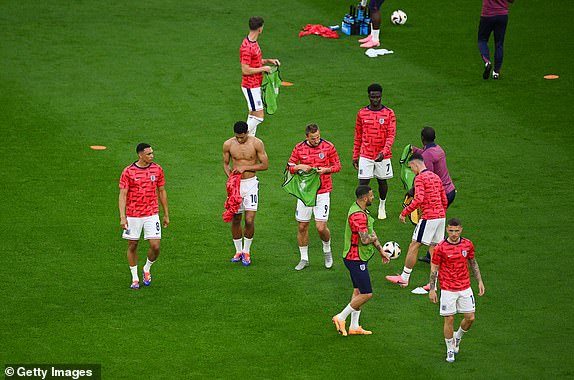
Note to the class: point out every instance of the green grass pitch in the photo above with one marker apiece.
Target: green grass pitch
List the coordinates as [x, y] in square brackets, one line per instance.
[115, 73]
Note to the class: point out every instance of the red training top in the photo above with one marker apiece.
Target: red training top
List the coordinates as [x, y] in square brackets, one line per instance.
[452, 261]
[358, 223]
[250, 54]
[374, 133]
[323, 155]
[141, 184]
[429, 196]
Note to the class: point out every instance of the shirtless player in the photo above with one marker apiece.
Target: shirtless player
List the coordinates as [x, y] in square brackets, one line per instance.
[247, 155]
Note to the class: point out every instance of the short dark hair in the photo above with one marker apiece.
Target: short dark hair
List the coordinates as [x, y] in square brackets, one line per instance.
[240, 127]
[256, 22]
[455, 222]
[311, 128]
[374, 87]
[362, 190]
[428, 134]
[416, 156]
[141, 147]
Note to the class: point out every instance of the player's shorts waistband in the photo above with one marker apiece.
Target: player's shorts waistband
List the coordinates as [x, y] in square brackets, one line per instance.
[247, 180]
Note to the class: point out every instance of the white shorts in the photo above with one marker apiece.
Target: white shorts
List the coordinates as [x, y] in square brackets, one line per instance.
[249, 190]
[456, 302]
[253, 97]
[320, 210]
[429, 231]
[150, 225]
[369, 169]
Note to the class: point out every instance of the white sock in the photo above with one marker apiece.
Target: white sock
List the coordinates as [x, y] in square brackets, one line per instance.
[355, 314]
[327, 246]
[134, 270]
[406, 274]
[383, 203]
[345, 313]
[304, 251]
[449, 344]
[459, 333]
[252, 123]
[238, 245]
[375, 34]
[148, 265]
[247, 244]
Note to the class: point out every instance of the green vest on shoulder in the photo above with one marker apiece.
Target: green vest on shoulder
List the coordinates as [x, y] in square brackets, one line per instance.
[366, 251]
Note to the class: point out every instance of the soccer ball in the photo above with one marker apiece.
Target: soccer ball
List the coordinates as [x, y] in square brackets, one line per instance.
[392, 249]
[398, 17]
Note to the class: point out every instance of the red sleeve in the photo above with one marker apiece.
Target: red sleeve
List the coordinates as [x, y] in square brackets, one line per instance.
[470, 254]
[161, 178]
[293, 160]
[437, 255]
[244, 54]
[358, 222]
[419, 197]
[417, 150]
[334, 160]
[443, 198]
[391, 132]
[124, 180]
[358, 136]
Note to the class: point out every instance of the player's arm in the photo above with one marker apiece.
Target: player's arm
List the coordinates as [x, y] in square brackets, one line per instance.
[476, 272]
[358, 140]
[295, 164]
[261, 157]
[391, 133]
[163, 201]
[122, 200]
[432, 281]
[248, 70]
[226, 158]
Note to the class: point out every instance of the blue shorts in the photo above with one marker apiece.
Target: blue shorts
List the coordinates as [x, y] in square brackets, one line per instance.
[359, 272]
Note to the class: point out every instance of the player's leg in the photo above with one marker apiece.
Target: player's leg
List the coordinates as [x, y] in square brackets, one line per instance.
[499, 32]
[132, 235]
[366, 171]
[383, 171]
[420, 237]
[321, 212]
[248, 232]
[303, 216]
[465, 305]
[448, 311]
[373, 39]
[365, 293]
[152, 233]
[237, 235]
[484, 29]
[255, 106]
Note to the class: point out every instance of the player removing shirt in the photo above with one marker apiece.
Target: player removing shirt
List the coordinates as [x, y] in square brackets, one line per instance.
[140, 184]
[430, 197]
[375, 131]
[361, 241]
[449, 263]
[315, 153]
[252, 69]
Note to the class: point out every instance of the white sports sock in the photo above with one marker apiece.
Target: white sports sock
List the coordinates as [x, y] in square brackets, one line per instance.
[345, 313]
[449, 344]
[252, 123]
[304, 251]
[134, 271]
[406, 274]
[375, 34]
[148, 265]
[247, 244]
[355, 314]
[327, 246]
[238, 245]
[459, 333]
[383, 203]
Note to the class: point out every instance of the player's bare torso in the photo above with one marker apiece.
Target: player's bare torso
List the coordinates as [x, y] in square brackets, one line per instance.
[243, 154]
